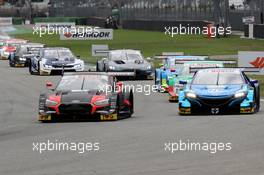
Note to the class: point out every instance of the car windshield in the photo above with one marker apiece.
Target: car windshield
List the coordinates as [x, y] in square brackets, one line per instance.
[51, 54]
[65, 54]
[122, 55]
[21, 50]
[217, 78]
[83, 83]
[59, 54]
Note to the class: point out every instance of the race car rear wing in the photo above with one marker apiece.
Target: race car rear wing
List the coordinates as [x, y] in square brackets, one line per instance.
[243, 69]
[225, 62]
[164, 56]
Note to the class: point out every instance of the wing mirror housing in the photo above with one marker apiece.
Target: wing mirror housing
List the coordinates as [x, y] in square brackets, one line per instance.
[149, 59]
[49, 85]
[254, 81]
[119, 86]
[183, 82]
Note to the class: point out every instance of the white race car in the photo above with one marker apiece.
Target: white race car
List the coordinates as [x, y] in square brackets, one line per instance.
[55, 60]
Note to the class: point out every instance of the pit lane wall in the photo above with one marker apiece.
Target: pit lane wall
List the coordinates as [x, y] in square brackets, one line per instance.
[159, 25]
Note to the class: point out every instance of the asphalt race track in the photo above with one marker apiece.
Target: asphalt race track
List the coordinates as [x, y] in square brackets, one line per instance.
[132, 146]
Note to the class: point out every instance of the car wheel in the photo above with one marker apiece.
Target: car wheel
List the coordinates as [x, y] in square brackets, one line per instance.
[11, 63]
[105, 68]
[131, 100]
[257, 105]
[118, 106]
[97, 67]
[155, 78]
[30, 68]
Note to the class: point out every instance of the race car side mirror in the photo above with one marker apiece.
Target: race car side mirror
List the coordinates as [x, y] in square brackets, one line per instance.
[183, 82]
[254, 81]
[119, 86]
[49, 85]
[78, 56]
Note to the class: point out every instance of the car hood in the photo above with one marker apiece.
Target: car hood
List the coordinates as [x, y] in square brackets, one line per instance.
[215, 90]
[54, 61]
[77, 96]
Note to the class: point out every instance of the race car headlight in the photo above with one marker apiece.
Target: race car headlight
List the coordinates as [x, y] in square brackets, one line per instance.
[112, 67]
[240, 94]
[78, 66]
[102, 102]
[47, 66]
[50, 103]
[6, 53]
[149, 67]
[22, 59]
[191, 95]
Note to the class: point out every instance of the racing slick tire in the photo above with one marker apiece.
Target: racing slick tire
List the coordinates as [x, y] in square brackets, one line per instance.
[97, 67]
[130, 97]
[30, 69]
[11, 63]
[43, 117]
[122, 113]
[257, 101]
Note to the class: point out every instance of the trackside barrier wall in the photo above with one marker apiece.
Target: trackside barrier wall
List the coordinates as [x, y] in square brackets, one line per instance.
[160, 25]
[258, 31]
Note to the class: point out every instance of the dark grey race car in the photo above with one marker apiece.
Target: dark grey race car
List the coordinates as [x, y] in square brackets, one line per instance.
[23, 54]
[126, 61]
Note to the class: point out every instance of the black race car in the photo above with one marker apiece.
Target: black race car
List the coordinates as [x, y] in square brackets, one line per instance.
[88, 96]
[24, 52]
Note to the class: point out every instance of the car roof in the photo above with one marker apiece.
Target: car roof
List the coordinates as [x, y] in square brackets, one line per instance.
[93, 75]
[56, 48]
[85, 73]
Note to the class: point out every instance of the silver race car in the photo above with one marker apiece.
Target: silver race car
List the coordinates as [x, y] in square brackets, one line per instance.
[126, 61]
[55, 60]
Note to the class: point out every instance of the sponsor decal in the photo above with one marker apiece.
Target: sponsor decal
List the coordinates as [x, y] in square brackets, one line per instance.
[5, 21]
[98, 34]
[251, 59]
[108, 117]
[215, 110]
[258, 62]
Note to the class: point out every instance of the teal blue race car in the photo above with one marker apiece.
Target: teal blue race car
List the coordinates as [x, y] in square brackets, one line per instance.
[169, 69]
[220, 91]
